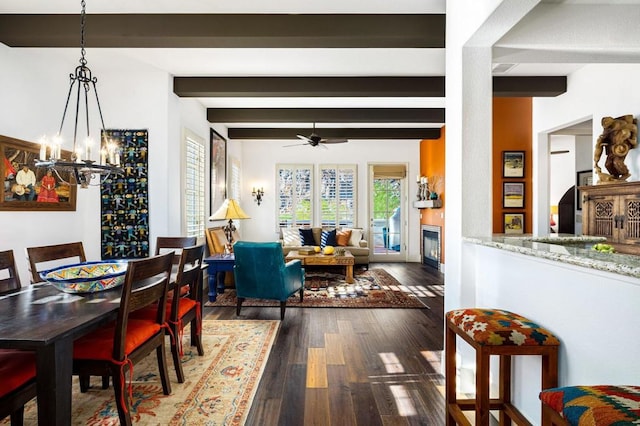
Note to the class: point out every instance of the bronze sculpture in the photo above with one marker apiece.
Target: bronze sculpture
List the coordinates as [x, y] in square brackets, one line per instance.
[619, 135]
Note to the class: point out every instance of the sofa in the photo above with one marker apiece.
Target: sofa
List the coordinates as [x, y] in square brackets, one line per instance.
[354, 241]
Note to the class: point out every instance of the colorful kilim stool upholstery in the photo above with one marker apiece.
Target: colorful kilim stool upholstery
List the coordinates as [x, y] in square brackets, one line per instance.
[502, 333]
[592, 405]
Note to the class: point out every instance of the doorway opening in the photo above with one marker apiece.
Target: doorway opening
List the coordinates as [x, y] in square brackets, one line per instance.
[387, 215]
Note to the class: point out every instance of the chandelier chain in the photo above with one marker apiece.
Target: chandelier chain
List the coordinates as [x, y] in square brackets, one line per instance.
[83, 24]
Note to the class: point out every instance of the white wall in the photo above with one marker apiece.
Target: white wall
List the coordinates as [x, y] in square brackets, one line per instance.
[562, 169]
[584, 161]
[259, 168]
[34, 85]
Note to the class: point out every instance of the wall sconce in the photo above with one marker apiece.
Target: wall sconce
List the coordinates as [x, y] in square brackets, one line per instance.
[257, 195]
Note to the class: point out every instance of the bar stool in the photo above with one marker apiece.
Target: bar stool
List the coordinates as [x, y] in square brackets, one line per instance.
[495, 332]
[601, 405]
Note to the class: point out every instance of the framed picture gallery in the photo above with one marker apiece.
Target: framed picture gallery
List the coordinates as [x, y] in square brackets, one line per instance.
[513, 195]
[513, 223]
[513, 164]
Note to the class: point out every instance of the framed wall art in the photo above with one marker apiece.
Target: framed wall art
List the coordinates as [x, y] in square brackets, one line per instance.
[125, 199]
[513, 164]
[513, 223]
[513, 195]
[27, 188]
[218, 170]
[583, 178]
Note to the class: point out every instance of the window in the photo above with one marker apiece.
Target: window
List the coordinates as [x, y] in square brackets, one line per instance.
[194, 185]
[234, 179]
[338, 195]
[295, 194]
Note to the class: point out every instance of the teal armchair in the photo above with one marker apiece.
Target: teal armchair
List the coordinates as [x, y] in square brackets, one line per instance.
[261, 273]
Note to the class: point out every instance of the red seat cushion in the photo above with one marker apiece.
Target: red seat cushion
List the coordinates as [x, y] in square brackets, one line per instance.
[149, 312]
[16, 369]
[496, 327]
[99, 344]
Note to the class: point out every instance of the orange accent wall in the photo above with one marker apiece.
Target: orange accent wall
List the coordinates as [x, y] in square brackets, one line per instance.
[432, 154]
[512, 129]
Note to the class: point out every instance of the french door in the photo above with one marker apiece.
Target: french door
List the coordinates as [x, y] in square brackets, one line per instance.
[387, 213]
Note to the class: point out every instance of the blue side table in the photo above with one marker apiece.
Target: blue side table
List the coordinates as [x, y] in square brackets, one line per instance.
[218, 263]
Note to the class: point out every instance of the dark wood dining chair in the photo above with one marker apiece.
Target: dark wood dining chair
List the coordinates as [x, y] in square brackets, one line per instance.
[114, 349]
[18, 384]
[67, 252]
[17, 368]
[11, 280]
[186, 308]
[186, 305]
[165, 244]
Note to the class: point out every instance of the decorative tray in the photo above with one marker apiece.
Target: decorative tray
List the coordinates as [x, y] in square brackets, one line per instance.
[87, 277]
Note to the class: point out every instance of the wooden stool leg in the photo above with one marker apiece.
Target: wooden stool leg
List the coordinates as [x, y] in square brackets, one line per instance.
[450, 373]
[505, 387]
[549, 379]
[482, 387]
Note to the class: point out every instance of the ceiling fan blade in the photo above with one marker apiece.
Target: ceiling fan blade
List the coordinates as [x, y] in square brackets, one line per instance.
[304, 138]
[334, 141]
[297, 144]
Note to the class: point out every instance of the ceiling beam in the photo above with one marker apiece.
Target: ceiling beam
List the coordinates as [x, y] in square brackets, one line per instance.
[403, 31]
[260, 87]
[325, 115]
[524, 87]
[369, 133]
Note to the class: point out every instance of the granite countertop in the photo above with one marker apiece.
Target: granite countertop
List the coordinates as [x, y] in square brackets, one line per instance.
[571, 249]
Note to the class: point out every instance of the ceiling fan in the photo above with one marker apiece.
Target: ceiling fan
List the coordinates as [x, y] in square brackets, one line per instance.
[316, 140]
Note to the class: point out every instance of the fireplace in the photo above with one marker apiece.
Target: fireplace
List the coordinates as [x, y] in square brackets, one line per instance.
[431, 243]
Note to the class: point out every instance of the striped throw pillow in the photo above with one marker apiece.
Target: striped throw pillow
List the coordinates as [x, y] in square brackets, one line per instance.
[328, 238]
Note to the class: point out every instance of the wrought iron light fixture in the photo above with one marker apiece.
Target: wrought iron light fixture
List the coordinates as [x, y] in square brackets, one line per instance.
[80, 163]
[257, 195]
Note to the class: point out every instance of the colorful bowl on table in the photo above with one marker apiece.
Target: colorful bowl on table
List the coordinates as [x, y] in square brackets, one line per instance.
[87, 277]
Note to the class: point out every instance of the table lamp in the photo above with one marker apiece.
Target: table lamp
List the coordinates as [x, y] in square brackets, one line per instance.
[229, 210]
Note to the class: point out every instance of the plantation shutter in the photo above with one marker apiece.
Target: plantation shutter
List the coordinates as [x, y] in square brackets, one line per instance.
[295, 195]
[194, 186]
[338, 195]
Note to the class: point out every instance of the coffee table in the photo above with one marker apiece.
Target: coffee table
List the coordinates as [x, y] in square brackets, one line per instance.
[319, 259]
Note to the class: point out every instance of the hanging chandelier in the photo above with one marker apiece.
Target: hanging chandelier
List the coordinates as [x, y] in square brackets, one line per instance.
[81, 165]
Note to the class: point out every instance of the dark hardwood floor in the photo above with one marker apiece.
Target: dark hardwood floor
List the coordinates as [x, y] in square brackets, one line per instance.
[332, 366]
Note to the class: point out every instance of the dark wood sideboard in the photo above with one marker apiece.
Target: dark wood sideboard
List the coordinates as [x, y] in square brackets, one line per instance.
[613, 211]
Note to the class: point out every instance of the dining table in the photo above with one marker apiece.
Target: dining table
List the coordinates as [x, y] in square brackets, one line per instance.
[41, 318]
[46, 320]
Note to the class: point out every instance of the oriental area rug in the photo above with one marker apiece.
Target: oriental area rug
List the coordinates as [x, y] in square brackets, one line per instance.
[218, 390]
[326, 288]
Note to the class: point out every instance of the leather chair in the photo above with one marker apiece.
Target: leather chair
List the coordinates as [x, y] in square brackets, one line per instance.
[115, 348]
[261, 273]
[17, 368]
[70, 252]
[175, 244]
[8, 263]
